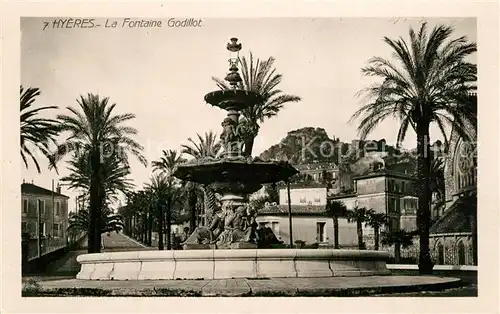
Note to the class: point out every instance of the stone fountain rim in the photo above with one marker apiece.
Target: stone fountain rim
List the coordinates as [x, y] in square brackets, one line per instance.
[237, 254]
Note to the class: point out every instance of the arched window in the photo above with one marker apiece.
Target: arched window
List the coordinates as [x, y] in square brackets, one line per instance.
[464, 165]
[440, 249]
[461, 253]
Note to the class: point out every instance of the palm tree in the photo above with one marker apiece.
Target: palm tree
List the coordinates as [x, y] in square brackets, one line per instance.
[114, 174]
[336, 209]
[35, 131]
[400, 239]
[95, 131]
[207, 147]
[167, 164]
[376, 221]
[359, 215]
[160, 190]
[430, 82]
[108, 221]
[260, 77]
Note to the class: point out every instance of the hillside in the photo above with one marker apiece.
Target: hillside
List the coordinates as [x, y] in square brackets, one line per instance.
[313, 145]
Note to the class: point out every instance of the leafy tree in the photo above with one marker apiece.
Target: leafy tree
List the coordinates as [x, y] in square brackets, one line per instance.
[400, 239]
[36, 132]
[336, 209]
[376, 221]
[359, 215]
[260, 77]
[430, 82]
[96, 132]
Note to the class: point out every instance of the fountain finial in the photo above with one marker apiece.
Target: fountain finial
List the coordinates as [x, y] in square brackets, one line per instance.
[233, 77]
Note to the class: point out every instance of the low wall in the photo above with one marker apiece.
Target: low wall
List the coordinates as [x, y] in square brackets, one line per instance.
[224, 264]
[436, 267]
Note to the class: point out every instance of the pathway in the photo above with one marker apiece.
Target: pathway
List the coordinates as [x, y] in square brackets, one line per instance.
[112, 242]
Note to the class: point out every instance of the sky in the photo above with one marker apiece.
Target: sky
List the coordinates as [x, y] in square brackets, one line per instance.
[162, 74]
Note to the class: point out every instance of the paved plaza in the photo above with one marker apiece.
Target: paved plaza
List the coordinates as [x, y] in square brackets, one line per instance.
[331, 286]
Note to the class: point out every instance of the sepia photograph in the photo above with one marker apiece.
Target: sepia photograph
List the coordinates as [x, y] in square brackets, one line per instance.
[234, 157]
[197, 158]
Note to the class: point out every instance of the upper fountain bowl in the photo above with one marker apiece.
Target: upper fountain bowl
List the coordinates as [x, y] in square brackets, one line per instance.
[232, 99]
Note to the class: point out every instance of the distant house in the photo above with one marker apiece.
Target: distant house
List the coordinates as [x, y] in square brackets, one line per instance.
[310, 222]
[50, 209]
[382, 190]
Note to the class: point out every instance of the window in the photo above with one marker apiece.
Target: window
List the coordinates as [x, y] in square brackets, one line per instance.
[56, 230]
[24, 226]
[403, 187]
[303, 199]
[41, 207]
[393, 223]
[25, 206]
[321, 232]
[317, 199]
[461, 253]
[58, 208]
[440, 260]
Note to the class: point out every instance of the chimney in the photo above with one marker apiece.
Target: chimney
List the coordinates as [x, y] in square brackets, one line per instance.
[58, 189]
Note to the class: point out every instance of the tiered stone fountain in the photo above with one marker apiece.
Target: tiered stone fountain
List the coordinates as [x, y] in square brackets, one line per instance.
[226, 246]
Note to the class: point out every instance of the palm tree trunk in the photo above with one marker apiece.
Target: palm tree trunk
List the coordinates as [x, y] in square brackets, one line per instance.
[359, 228]
[249, 147]
[160, 227]
[94, 236]
[424, 197]
[336, 232]
[168, 223]
[376, 232]
[150, 229]
[397, 252]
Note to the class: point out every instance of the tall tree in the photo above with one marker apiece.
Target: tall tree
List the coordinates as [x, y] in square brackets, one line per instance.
[376, 221]
[167, 164]
[260, 77]
[114, 174]
[206, 147]
[36, 132]
[359, 215]
[336, 209]
[160, 190]
[96, 132]
[430, 82]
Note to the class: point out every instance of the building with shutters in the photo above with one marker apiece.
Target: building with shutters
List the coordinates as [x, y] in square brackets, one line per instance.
[44, 216]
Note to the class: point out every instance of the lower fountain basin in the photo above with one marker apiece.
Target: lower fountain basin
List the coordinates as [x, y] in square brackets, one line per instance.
[224, 264]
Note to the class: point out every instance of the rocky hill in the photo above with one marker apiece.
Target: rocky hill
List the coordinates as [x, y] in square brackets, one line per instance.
[313, 145]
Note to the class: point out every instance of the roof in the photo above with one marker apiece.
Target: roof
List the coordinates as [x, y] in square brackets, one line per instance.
[384, 173]
[303, 185]
[316, 166]
[296, 210]
[457, 218]
[30, 188]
